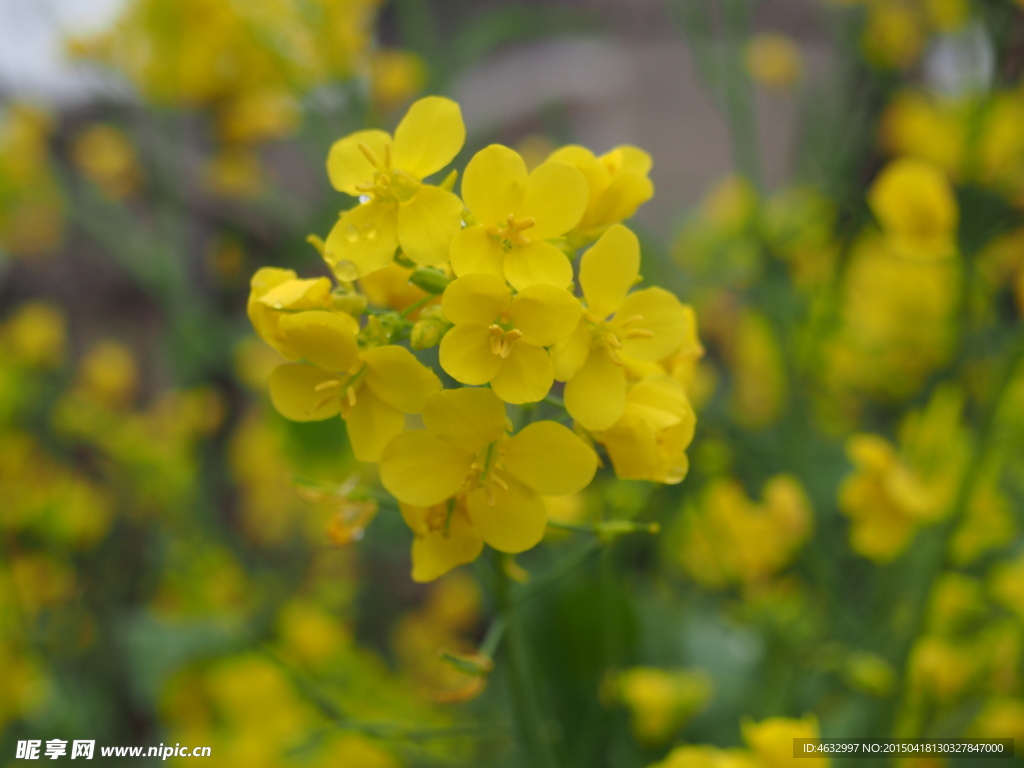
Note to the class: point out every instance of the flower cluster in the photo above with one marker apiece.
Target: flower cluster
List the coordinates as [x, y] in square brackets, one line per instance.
[488, 278]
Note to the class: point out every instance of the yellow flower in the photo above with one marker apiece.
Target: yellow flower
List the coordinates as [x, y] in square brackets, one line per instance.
[884, 498]
[517, 213]
[35, 335]
[661, 701]
[707, 757]
[771, 741]
[500, 339]
[398, 210]
[649, 442]
[646, 325]
[773, 60]
[917, 125]
[276, 292]
[915, 206]
[444, 537]
[617, 185]
[372, 389]
[894, 35]
[465, 450]
[105, 155]
[396, 76]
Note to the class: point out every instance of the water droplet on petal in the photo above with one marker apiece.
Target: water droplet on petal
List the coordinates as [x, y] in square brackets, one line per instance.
[370, 233]
[346, 271]
[365, 198]
[351, 233]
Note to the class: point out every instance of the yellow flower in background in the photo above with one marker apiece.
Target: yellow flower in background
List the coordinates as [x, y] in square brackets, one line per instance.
[465, 449]
[894, 35]
[916, 208]
[771, 741]
[661, 700]
[773, 60]
[617, 184]
[728, 538]
[647, 325]
[885, 500]
[444, 537]
[235, 172]
[919, 125]
[948, 15]
[707, 757]
[649, 442]
[398, 209]
[396, 76]
[516, 214]
[759, 386]
[500, 339]
[109, 374]
[35, 335]
[31, 208]
[372, 389]
[105, 155]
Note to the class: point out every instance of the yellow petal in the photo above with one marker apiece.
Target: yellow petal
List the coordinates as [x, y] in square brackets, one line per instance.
[550, 459]
[493, 184]
[363, 240]
[477, 298]
[626, 158]
[632, 448]
[609, 269]
[537, 263]
[626, 193]
[474, 252]
[662, 315]
[545, 314]
[596, 395]
[348, 166]
[555, 197]
[429, 136]
[525, 376]
[372, 424]
[427, 224]
[325, 339]
[469, 418]
[421, 469]
[466, 355]
[582, 159]
[510, 521]
[570, 355]
[294, 395]
[398, 378]
[435, 552]
[661, 401]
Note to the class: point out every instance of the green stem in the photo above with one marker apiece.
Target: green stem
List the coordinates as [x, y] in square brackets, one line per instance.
[525, 702]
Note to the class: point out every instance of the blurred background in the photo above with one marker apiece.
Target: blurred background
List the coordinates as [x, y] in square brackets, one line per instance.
[839, 196]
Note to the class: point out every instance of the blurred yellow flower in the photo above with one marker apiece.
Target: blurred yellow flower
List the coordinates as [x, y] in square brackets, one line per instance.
[105, 155]
[771, 741]
[773, 60]
[916, 208]
[660, 701]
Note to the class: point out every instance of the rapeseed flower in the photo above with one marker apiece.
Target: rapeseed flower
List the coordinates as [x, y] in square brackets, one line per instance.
[465, 449]
[649, 441]
[500, 339]
[372, 389]
[647, 325]
[617, 184]
[398, 210]
[916, 208]
[516, 216]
